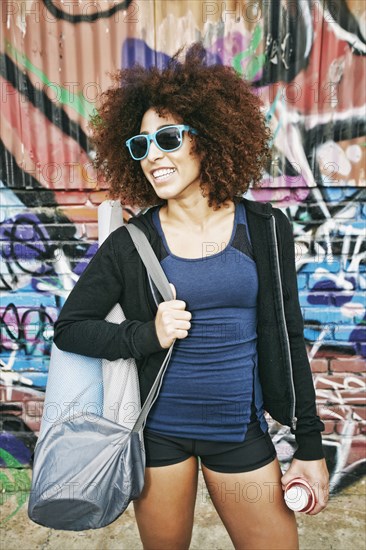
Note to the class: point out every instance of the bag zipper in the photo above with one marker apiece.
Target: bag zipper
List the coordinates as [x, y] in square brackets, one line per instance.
[287, 341]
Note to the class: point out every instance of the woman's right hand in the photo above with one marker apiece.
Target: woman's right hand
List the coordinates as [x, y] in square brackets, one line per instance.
[172, 321]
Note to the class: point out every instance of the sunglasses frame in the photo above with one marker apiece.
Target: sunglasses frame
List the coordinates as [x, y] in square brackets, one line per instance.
[152, 137]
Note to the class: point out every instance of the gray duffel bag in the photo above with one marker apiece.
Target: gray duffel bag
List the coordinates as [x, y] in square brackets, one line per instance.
[86, 467]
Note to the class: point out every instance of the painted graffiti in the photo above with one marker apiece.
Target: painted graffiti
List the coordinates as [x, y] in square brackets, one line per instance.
[17, 482]
[68, 13]
[50, 190]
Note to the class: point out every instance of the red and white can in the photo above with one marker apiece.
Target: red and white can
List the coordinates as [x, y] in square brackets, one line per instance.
[299, 495]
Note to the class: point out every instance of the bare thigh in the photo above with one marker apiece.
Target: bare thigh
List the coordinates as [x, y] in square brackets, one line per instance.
[252, 508]
[165, 510]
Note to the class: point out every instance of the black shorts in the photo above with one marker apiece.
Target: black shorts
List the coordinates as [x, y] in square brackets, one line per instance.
[255, 451]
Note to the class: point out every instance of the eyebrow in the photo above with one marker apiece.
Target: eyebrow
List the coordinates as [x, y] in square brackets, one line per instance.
[158, 128]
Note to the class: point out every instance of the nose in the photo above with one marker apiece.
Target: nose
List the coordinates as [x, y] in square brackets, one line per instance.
[154, 151]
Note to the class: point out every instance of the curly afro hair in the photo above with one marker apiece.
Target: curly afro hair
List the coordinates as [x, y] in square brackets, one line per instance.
[233, 140]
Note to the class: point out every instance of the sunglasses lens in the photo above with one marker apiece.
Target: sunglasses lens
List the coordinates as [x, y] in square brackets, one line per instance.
[138, 147]
[169, 138]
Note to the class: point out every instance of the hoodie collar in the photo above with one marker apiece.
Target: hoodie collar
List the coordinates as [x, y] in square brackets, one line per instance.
[258, 208]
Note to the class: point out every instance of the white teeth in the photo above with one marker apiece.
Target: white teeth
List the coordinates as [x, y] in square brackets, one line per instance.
[163, 172]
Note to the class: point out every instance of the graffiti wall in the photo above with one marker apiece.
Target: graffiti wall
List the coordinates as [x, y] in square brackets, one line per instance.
[305, 59]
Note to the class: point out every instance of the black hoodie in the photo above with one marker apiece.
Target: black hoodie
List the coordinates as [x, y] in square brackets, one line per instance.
[117, 274]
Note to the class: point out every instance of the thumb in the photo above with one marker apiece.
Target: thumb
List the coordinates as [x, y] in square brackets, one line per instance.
[287, 477]
[173, 290]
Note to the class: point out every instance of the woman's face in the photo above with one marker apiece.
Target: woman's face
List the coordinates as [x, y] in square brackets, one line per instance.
[173, 175]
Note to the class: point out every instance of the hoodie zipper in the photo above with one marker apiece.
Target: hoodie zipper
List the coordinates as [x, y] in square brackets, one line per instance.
[287, 341]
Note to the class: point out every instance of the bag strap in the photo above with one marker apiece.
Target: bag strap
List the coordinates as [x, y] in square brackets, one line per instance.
[153, 393]
[150, 261]
[157, 274]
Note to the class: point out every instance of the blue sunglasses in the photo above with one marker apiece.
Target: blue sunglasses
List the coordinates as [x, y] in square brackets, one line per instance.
[167, 139]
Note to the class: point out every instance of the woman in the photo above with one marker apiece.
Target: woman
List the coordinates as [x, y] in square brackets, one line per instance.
[187, 141]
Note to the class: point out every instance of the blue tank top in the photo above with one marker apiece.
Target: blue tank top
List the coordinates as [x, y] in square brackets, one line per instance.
[212, 378]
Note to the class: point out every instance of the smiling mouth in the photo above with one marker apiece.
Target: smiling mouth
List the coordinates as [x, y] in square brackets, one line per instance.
[163, 174]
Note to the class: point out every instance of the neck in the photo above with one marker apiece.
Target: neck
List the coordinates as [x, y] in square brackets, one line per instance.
[194, 214]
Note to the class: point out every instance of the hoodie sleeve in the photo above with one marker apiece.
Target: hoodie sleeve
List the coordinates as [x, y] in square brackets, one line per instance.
[309, 425]
[81, 327]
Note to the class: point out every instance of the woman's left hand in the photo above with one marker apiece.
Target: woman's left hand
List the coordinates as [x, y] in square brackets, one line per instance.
[316, 474]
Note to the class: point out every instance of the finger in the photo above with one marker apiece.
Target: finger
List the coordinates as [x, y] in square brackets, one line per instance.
[318, 508]
[172, 304]
[184, 325]
[171, 323]
[182, 315]
[181, 334]
[321, 492]
[315, 511]
[289, 476]
[172, 326]
[322, 501]
[320, 505]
